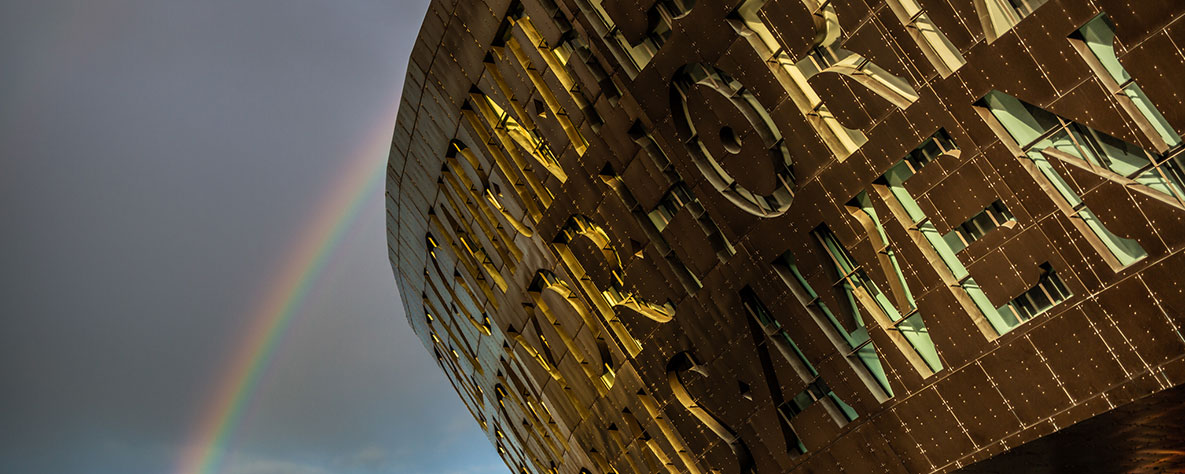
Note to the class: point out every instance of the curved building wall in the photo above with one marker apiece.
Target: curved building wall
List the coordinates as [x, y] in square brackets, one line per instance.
[791, 236]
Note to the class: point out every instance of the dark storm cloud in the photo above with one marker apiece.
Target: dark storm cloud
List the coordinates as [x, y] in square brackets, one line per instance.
[158, 159]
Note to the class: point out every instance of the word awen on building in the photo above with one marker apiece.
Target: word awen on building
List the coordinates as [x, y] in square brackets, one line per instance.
[766, 236]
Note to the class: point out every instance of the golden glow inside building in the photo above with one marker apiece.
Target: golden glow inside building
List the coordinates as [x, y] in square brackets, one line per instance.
[872, 236]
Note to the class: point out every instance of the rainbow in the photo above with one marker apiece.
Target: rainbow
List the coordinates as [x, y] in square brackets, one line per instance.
[206, 447]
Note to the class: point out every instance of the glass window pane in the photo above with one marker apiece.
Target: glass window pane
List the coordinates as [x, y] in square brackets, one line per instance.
[867, 357]
[1002, 319]
[915, 332]
[1162, 127]
[1100, 39]
[1017, 119]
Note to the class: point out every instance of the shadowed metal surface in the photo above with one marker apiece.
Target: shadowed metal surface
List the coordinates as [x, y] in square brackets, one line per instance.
[1144, 436]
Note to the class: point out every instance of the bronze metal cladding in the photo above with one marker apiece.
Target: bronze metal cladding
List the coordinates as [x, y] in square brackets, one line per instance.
[793, 235]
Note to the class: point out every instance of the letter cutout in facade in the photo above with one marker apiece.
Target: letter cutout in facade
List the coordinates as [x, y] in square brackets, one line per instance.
[678, 197]
[684, 362]
[1096, 42]
[907, 330]
[524, 186]
[937, 249]
[489, 196]
[943, 55]
[597, 365]
[998, 16]
[686, 277]
[632, 34]
[762, 323]
[546, 360]
[668, 431]
[857, 348]
[826, 56]
[1041, 136]
[768, 188]
[614, 293]
[506, 41]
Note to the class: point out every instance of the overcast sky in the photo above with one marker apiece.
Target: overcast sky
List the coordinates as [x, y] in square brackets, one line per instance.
[159, 159]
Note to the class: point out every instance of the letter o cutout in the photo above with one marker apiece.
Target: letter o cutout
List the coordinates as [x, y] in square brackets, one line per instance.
[732, 140]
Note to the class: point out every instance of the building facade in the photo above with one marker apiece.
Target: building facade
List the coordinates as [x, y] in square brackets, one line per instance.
[695, 236]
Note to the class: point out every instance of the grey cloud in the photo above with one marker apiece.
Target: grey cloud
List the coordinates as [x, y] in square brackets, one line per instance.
[158, 159]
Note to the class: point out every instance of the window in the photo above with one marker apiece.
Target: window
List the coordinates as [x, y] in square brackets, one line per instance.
[816, 388]
[815, 391]
[637, 56]
[860, 350]
[1096, 41]
[675, 199]
[864, 211]
[999, 16]
[937, 145]
[995, 215]
[937, 48]
[857, 286]
[500, 395]
[1041, 135]
[1048, 292]
[432, 245]
[758, 310]
[680, 197]
[955, 275]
